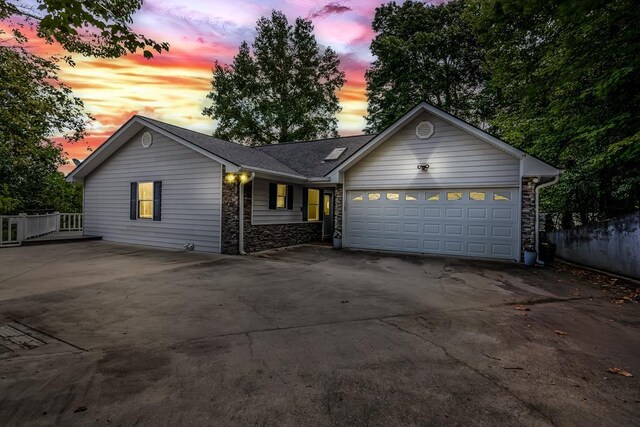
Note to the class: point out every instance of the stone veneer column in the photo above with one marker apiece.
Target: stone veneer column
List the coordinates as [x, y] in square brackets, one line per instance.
[337, 212]
[528, 214]
[230, 210]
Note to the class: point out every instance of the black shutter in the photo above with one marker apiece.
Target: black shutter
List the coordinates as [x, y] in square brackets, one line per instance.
[273, 193]
[157, 200]
[305, 204]
[321, 205]
[290, 197]
[133, 201]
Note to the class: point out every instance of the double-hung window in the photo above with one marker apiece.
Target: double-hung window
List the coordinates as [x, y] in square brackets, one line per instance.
[280, 196]
[145, 200]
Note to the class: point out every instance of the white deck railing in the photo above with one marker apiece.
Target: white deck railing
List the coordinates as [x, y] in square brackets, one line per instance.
[15, 229]
[39, 225]
[9, 231]
[71, 221]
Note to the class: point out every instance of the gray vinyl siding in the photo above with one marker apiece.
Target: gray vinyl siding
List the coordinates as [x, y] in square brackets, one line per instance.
[455, 157]
[191, 196]
[261, 214]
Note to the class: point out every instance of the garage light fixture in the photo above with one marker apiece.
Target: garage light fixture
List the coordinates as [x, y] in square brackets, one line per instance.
[424, 167]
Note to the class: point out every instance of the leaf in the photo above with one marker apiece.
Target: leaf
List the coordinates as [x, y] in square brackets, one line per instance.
[561, 333]
[620, 372]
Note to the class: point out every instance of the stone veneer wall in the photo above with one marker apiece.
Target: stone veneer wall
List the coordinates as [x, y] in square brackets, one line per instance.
[269, 236]
[528, 214]
[337, 212]
[230, 220]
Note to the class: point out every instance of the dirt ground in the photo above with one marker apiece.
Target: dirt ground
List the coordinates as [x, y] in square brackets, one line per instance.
[105, 334]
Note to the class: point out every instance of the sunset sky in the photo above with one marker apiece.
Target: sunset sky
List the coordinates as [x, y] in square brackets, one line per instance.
[173, 86]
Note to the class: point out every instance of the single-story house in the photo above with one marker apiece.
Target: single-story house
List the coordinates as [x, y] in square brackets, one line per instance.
[429, 183]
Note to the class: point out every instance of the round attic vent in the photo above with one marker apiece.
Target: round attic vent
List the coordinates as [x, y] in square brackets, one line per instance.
[147, 139]
[424, 130]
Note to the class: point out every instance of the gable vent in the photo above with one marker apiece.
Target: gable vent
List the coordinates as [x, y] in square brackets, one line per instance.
[147, 139]
[335, 153]
[424, 130]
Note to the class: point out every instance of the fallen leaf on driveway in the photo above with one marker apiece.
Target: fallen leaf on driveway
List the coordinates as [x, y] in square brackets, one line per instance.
[521, 307]
[619, 371]
[559, 332]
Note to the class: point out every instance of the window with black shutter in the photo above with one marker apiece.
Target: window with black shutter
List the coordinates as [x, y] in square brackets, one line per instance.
[146, 200]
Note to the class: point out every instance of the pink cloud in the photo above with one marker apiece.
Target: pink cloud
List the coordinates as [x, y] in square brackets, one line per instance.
[330, 9]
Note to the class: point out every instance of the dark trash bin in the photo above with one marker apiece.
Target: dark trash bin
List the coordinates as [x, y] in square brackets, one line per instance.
[547, 253]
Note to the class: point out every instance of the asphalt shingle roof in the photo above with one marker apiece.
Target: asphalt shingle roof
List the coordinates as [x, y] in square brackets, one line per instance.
[230, 151]
[304, 158]
[307, 157]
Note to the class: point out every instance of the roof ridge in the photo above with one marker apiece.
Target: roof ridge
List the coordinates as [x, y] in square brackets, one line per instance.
[316, 140]
[189, 130]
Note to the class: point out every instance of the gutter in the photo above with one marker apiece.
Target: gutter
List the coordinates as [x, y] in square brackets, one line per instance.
[241, 215]
[537, 228]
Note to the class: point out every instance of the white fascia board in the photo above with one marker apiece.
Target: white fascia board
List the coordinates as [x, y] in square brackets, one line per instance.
[104, 151]
[536, 167]
[480, 134]
[269, 174]
[425, 107]
[228, 164]
[123, 135]
[371, 145]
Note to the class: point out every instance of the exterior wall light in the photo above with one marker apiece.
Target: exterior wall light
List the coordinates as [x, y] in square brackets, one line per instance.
[230, 178]
[243, 177]
[424, 167]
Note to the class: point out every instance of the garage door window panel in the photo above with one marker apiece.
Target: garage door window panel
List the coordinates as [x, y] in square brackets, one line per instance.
[502, 195]
[410, 197]
[373, 196]
[454, 195]
[432, 196]
[477, 195]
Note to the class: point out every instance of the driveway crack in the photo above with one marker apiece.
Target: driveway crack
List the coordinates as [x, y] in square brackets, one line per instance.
[493, 381]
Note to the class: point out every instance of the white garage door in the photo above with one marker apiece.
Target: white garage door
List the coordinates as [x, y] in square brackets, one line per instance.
[471, 222]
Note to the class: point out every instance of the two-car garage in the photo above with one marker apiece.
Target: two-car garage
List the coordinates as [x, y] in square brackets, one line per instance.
[458, 222]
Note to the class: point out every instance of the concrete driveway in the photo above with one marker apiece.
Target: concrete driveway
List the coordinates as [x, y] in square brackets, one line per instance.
[105, 334]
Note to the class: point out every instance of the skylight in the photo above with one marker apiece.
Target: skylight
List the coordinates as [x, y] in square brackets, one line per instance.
[335, 153]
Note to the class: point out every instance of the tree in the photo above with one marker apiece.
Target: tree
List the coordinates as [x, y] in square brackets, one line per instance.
[35, 107]
[281, 89]
[424, 52]
[566, 76]
[91, 28]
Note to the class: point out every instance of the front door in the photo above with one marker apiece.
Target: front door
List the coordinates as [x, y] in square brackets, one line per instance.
[327, 217]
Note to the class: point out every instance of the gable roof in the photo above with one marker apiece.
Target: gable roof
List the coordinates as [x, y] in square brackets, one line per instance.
[308, 157]
[531, 166]
[304, 160]
[239, 154]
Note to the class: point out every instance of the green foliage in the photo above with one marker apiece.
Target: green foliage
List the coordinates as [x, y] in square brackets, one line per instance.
[281, 89]
[34, 107]
[424, 52]
[91, 28]
[560, 80]
[566, 77]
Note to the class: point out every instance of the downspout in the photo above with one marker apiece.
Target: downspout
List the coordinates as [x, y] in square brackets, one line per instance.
[537, 228]
[241, 214]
